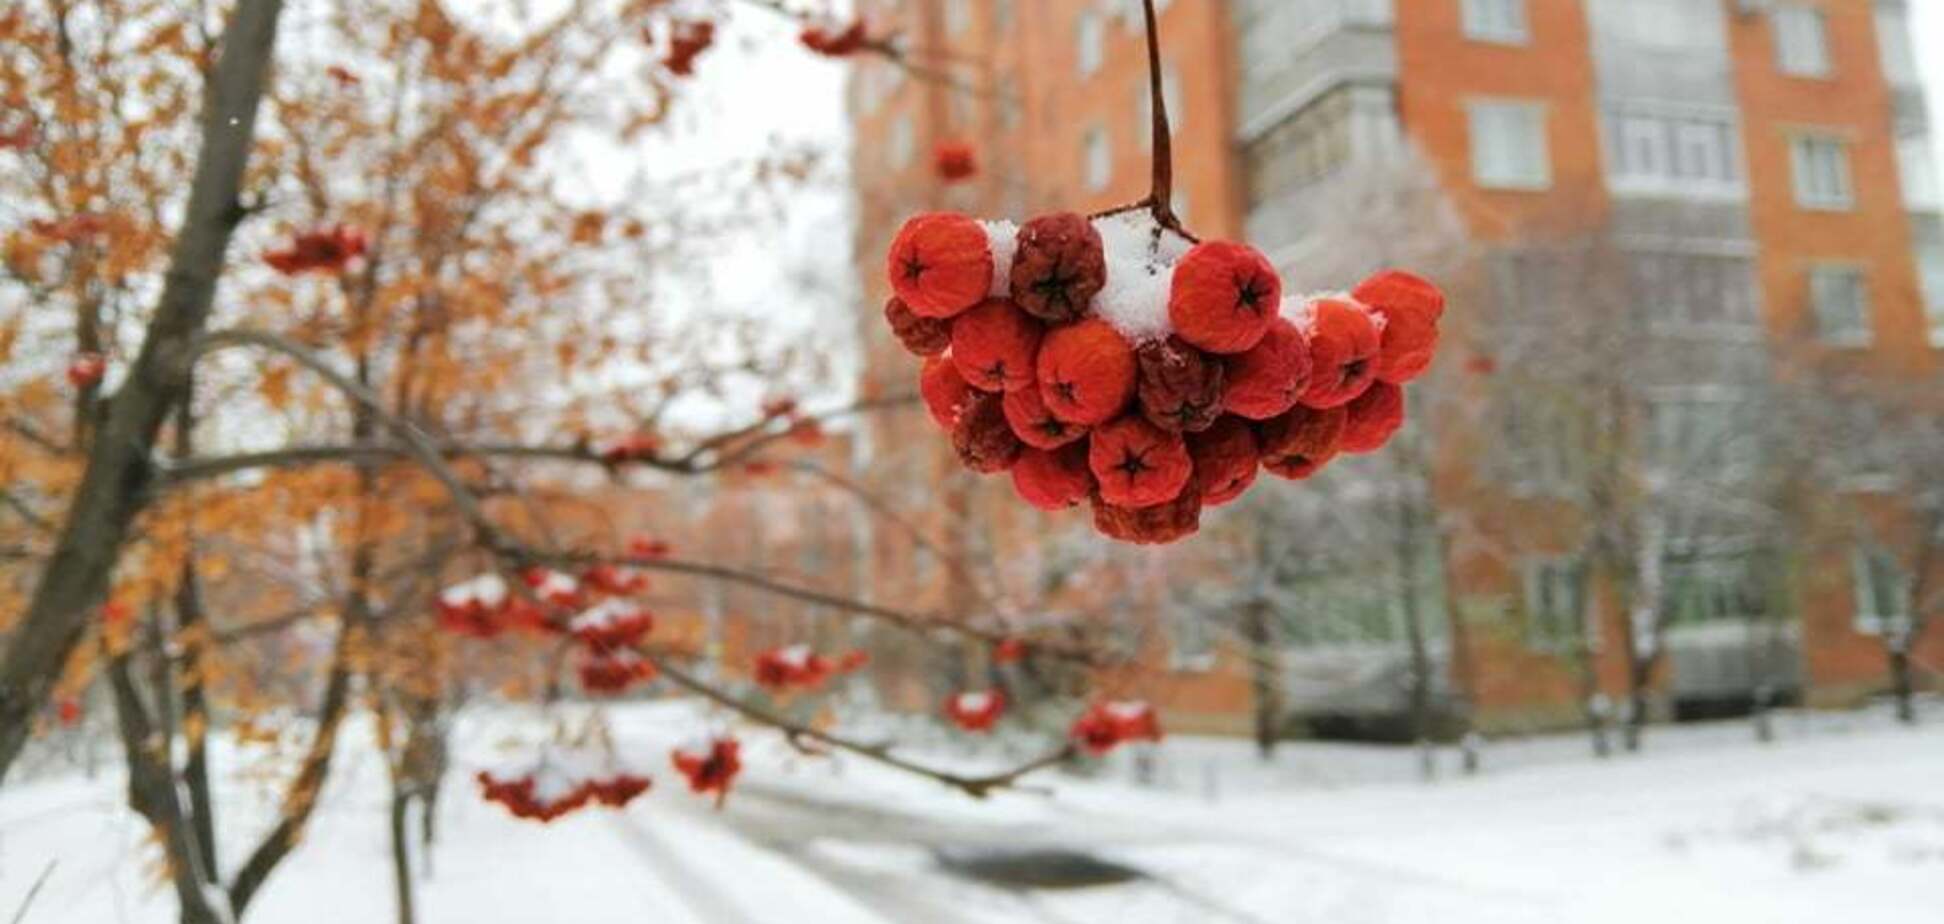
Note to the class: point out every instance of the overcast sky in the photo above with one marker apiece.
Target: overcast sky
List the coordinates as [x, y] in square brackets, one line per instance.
[1927, 25]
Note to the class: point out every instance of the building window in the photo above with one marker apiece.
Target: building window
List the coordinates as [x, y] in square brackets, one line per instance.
[1704, 589]
[1651, 152]
[1842, 304]
[1919, 173]
[1882, 590]
[1894, 48]
[1508, 145]
[1502, 21]
[1556, 613]
[1801, 41]
[1701, 437]
[1099, 159]
[1822, 172]
[1002, 16]
[1696, 290]
[1091, 35]
[958, 15]
[1930, 267]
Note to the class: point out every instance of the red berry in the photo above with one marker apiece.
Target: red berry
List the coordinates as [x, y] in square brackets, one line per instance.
[1138, 464]
[713, 770]
[1343, 353]
[1034, 424]
[1372, 419]
[984, 441]
[940, 264]
[954, 161]
[1105, 726]
[1053, 480]
[996, 346]
[86, 369]
[944, 390]
[1268, 379]
[921, 336]
[1059, 267]
[1399, 292]
[1299, 443]
[1226, 460]
[1223, 297]
[1009, 651]
[1086, 372]
[1157, 525]
[976, 712]
[1180, 387]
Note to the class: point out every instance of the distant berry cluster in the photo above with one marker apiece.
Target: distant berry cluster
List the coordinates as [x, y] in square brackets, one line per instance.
[1113, 362]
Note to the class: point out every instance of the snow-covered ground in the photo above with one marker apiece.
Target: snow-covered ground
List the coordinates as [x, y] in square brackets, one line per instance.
[1841, 819]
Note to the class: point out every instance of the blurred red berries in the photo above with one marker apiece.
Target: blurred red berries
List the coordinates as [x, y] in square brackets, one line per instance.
[833, 42]
[955, 161]
[687, 40]
[1108, 725]
[327, 250]
[711, 770]
[85, 370]
[976, 711]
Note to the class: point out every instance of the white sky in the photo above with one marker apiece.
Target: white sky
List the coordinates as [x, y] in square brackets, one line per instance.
[1927, 32]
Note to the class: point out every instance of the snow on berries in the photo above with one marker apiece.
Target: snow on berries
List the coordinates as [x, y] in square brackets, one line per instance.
[976, 711]
[1108, 725]
[710, 768]
[561, 782]
[1116, 361]
[799, 667]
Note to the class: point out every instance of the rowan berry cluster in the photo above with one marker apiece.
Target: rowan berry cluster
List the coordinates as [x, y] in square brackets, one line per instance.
[1112, 361]
[594, 610]
[798, 667]
[550, 790]
[325, 250]
[976, 711]
[712, 768]
[1108, 725]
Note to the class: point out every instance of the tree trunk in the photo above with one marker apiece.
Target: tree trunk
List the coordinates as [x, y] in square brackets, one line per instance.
[117, 475]
[1265, 682]
[152, 793]
[401, 851]
[1902, 685]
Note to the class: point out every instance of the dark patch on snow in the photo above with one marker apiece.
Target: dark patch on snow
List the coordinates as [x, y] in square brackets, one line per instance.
[1036, 868]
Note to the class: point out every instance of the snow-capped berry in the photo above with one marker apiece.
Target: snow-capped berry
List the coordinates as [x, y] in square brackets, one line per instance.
[940, 264]
[954, 161]
[921, 336]
[1137, 463]
[1053, 480]
[1180, 387]
[1156, 525]
[1034, 424]
[1105, 726]
[1226, 460]
[996, 346]
[713, 770]
[1343, 353]
[1086, 372]
[944, 390]
[555, 588]
[1372, 419]
[1223, 296]
[611, 625]
[792, 666]
[613, 672]
[1059, 267]
[1302, 441]
[983, 439]
[86, 369]
[613, 579]
[976, 711]
[1398, 292]
[1268, 378]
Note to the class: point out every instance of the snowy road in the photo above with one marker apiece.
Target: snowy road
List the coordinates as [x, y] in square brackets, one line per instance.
[1834, 823]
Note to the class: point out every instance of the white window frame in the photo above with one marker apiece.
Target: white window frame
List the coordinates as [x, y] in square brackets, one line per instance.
[1875, 615]
[1801, 40]
[1830, 328]
[1090, 35]
[958, 16]
[1822, 182]
[1917, 173]
[1529, 166]
[1540, 573]
[1097, 158]
[1500, 22]
[1930, 274]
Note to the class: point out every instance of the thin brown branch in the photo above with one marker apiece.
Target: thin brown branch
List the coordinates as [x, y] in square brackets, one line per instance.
[796, 732]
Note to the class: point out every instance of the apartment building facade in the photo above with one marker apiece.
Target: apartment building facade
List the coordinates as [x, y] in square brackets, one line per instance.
[1761, 168]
